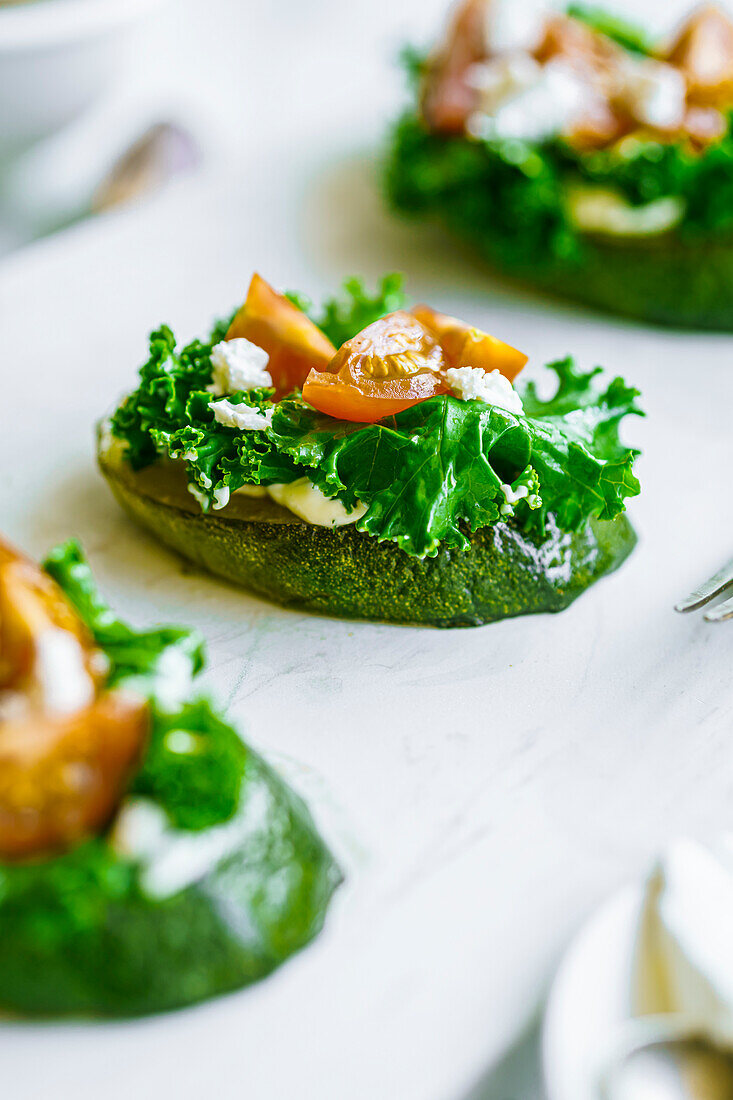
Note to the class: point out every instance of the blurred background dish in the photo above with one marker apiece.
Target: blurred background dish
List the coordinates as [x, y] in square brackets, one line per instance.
[580, 154]
[57, 57]
[60, 61]
[642, 1005]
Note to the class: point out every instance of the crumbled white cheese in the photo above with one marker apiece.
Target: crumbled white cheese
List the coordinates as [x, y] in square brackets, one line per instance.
[595, 209]
[476, 384]
[243, 417]
[500, 78]
[550, 105]
[172, 859]
[181, 742]
[654, 93]
[62, 682]
[303, 499]
[173, 672]
[238, 365]
[514, 24]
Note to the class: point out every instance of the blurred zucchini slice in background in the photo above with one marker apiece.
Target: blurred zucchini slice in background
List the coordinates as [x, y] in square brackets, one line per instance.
[149, 859]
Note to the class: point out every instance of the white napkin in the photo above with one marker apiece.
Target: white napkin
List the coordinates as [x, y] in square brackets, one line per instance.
[683, 958]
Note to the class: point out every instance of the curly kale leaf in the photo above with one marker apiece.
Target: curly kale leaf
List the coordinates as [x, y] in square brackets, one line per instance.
[427, 476]
[646, 170]
[199, 786]
[505, 196]
[438, 470]
[169, 413]
[421, 473]
[158, 663]
[583, 468]
[341, 317]
[630, 37]
[508, 198]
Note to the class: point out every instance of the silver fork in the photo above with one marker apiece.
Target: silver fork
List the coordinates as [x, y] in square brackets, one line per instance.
[707, 591]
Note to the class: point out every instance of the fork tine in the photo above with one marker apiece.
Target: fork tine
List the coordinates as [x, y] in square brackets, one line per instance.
[720, 613]
[708, 590]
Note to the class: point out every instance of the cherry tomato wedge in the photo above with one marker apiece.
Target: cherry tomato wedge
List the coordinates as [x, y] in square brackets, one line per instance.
[66, 749]
[449, 97]
[61, 779]
[31, 607]
[294, 344]
[703, 50]
[465, 346]
[387, 367]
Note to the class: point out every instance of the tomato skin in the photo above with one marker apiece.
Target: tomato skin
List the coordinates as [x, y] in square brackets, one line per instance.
[31, 603]
[448, 97]
[466, 346]
[61, 779]
[294, 344]
[392, 364]
[330, 395]
[61, 773]
[703, 50]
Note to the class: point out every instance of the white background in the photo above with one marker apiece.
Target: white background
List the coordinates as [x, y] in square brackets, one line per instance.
[484, 788]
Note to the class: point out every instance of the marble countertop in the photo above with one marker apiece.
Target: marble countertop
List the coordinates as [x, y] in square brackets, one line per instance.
[483, 788]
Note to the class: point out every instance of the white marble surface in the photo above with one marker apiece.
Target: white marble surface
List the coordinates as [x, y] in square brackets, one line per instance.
[484, 788]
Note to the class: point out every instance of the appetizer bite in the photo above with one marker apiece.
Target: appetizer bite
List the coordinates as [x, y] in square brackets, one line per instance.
[377, 464]
[577, 154]
[148, 858]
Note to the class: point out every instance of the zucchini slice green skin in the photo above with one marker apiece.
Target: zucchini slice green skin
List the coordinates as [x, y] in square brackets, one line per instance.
[682, 278]
[346, 573]
[665, 280]
[79, 935]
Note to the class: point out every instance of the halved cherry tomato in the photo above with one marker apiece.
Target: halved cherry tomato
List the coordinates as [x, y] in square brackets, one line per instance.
[31, 604]
[387, 367]
[703, 50]
[600, 64]
[61, 779]
[66, 750]
[449, 97]
[294, 344]
[465, 346]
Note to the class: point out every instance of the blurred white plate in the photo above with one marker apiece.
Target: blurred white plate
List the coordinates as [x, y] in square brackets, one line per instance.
[589, 999]
[56, 58]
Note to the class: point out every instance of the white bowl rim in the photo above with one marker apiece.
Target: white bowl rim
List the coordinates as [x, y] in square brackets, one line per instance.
[38, 24]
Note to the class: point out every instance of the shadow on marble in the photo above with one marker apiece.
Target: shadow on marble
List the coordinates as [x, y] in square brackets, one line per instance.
[518, 1076]
[345, 227]
[80, 505]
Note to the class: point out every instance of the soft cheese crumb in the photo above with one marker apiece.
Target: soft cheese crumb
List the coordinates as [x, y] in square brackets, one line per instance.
[239, 365]
[511, 25]
[528, 102]
[475, 384]
[243, 417]
[654, 93]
